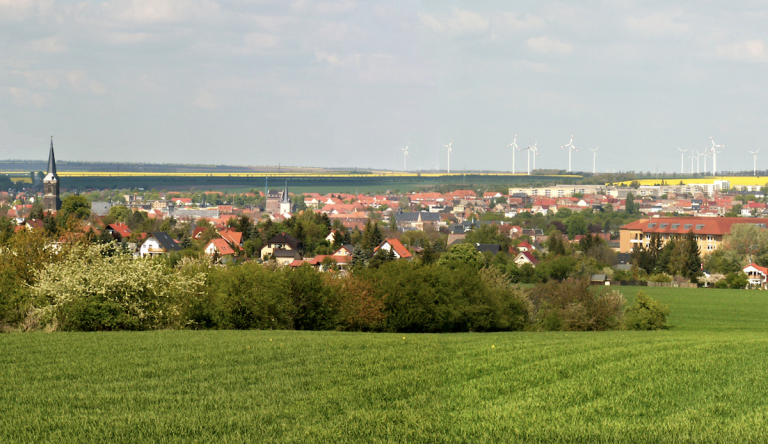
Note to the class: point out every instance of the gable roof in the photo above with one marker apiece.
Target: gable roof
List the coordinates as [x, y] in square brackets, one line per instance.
[397, 247]
[528, 256]
[121, 229]
[699, 225]
[166, 241]
[286, 239]
[222, 246]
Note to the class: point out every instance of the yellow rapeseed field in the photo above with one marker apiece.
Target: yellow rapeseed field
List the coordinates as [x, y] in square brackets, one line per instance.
[735, 180]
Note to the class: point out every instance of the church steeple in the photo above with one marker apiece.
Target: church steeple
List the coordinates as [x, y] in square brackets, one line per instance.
[52, 161]
[285, 202]
[51, 201]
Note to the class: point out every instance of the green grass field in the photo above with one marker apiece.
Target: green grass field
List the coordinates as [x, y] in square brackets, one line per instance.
[703, 380]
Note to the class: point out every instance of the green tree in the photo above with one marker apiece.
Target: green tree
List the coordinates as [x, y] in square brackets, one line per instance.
[75, 206]
[462, 255]
[629, 208]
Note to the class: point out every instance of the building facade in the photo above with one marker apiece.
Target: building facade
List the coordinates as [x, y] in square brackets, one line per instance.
[709, 231]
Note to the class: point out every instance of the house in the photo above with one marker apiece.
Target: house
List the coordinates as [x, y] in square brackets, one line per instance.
[220, 247]
[283, 246]
[341, 261]
[492, 248]
[158, 243]
[526, 258]
[396, 247]
[345, 250]
[756, 275]
[709, 231]
[118, 231]
[524, 246]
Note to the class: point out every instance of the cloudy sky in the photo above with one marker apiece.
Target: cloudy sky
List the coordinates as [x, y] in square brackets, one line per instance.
[348, 83]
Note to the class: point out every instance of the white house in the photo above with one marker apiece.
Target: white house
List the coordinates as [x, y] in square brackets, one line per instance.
[756, 275]
[158, 243]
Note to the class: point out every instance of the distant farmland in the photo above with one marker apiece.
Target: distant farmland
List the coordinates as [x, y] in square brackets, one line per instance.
[343, 181]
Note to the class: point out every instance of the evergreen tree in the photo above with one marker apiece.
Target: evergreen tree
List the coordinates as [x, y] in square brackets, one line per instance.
[630, 206]
[693, 265]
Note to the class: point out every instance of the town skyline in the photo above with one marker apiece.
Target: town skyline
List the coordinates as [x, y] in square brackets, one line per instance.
[349, 84]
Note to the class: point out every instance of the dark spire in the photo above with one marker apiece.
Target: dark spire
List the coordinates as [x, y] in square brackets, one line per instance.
[52, 161]
[285, 193]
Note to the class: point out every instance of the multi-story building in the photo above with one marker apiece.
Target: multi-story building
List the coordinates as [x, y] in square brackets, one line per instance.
[558, 190]
[709, 231]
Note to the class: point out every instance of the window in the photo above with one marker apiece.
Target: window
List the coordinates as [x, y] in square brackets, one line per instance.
[652, 225]
[675, 226]
[662, 226]
[710, 237]
[699, 226]
[687, 226]
[710, 247]
[647, 236]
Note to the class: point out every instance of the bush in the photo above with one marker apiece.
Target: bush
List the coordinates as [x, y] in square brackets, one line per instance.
[660, 277]
[251, 296]
[91, 289]
[646, 314]
[572, 306]
[355, 303]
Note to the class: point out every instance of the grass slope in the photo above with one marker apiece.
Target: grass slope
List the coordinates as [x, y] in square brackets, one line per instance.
[702, 381]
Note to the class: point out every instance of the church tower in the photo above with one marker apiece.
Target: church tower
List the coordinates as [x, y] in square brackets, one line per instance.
[51, 201]
[285, 202]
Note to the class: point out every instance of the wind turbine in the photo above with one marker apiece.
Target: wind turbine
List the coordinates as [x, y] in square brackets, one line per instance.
[714, 155]
[568, 146]
[698, 157]
[594, 155]
[514, 147]
[531, 149]
[754, 163]
[405, 155]
[682, 160]
[706, 154]
[692, 157]
[449, 155]
[535, 150]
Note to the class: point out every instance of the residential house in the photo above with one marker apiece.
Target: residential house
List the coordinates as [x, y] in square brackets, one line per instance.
[158, 243]
[396, 247]
[118, 231]
[525, 257]
[281, 247]
[222, 248]
[756, 275]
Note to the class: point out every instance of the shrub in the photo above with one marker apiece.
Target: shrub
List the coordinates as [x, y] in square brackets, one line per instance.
[91, 289]
[646, 314]
[355, 303]
[571, 305]
[660, 277]
[251, 296]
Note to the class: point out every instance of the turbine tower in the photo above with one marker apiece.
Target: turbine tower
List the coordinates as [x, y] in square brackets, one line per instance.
[682, 160]
[706, 154]
[698, 157]
[535, 150]
[568, 146]
[754, 162]
[405, 155]
[449, 154]
[514, 147]
[531, 149]
[594, 155]
[692, 157]
[714, 155]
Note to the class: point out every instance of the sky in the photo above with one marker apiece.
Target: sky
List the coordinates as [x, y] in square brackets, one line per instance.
[349, 83]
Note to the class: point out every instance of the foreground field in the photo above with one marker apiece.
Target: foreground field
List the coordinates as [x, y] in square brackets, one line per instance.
[705, 380]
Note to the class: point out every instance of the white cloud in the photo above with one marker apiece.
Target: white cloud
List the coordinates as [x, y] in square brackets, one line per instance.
[458, 22]
[519, 22]
[82, 83]
[206, 100]
[26, 97]
[49, 45]
[657, 25]
[162, 11]
[746, 51]
[548, 45]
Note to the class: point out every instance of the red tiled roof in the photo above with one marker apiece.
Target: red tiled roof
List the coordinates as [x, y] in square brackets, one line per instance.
[221, 246]
[699, 225]
[121, 229]
[397, 246]
[763, 270]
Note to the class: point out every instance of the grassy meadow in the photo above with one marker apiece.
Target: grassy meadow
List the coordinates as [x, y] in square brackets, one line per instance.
[703, 380]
